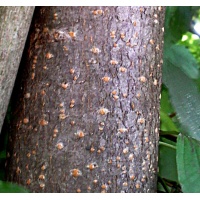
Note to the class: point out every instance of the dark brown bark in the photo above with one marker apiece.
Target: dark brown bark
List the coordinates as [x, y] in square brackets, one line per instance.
[88, 115]
[14, 27]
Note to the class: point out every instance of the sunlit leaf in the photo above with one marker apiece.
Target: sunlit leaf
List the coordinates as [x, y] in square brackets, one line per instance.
[192, 43]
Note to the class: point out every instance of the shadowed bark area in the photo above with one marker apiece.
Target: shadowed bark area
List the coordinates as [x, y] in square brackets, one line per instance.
[14, 27]
[87, 115]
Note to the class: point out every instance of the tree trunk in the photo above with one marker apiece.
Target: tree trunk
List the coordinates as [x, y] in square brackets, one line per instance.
[14, 27]
[87, 116]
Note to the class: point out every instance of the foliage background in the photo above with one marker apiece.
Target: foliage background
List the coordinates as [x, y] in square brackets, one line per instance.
[179, 149]
[179, 152]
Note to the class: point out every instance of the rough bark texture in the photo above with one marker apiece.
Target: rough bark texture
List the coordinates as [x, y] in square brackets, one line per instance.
[88, 113]
[14, 27]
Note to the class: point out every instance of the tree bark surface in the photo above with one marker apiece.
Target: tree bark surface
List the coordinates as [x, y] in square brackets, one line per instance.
[87, 117]
[14, 27]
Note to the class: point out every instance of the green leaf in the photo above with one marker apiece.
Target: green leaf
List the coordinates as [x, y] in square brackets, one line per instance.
[188, 163]
[165, 104]
[192, 43]
[185, 98]
[6, 187]
[166, 123]
[180, 57]
[177, 22]
[167, 161]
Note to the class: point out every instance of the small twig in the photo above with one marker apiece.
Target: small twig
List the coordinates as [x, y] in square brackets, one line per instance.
[167, 145]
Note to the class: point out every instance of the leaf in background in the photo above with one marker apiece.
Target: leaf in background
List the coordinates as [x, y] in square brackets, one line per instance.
[2, 154]
[188, 163]
[185, 98]
[2, 164]
[6, 187]
[192, 43]
[180, 57]
[177, 22]
[166, 123]
[165, 104]
[167, 161]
